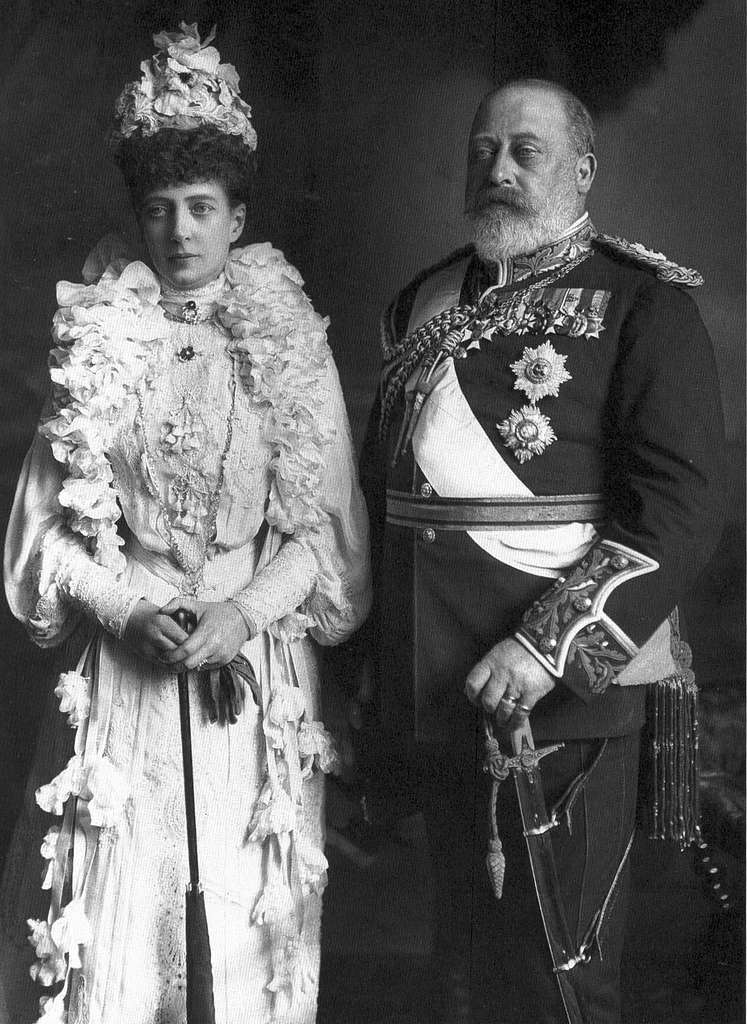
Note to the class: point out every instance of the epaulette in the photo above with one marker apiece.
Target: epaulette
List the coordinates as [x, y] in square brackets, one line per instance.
[664, 268]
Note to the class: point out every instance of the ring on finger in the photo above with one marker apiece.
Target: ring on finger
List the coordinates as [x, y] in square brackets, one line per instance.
[523, 707]
[507, 699]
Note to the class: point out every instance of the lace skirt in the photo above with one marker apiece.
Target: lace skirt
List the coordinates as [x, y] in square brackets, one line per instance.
[133, 964]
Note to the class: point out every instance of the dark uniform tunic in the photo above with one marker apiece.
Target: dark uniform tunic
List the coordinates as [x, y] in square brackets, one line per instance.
[638, 423]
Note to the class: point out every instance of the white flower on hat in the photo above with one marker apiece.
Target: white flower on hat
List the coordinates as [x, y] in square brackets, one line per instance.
[184, 85]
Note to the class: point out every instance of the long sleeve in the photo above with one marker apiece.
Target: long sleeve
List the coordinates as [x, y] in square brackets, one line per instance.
[49, 576]
[664, 448]
[319, 578]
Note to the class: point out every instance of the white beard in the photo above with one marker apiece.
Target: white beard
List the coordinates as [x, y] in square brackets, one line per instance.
[499, 231]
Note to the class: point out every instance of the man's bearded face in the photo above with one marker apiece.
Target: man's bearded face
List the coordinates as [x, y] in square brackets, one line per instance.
[521, 183]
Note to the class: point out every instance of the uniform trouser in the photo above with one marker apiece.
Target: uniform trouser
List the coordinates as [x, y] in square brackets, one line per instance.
[498, 950]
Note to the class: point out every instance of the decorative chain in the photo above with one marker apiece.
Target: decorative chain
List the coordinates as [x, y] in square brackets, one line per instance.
[444, 329]
[193, 573]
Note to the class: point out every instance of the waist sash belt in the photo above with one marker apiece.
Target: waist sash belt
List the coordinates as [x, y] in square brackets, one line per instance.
[403, 509]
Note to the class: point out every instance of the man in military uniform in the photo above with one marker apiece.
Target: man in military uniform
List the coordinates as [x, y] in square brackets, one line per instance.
[543, 473]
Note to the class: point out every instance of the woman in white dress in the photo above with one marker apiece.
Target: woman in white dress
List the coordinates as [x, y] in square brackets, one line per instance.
[196, 453]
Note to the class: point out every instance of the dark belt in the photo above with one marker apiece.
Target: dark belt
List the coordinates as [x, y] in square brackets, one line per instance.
[416, 511]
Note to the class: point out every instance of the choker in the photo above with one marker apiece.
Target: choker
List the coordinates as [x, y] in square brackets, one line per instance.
[192, 305]
[188, 312]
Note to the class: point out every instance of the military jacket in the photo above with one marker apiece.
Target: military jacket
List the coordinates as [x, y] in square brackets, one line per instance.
[589, 370]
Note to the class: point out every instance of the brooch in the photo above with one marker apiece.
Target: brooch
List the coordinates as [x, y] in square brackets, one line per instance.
[540, 372]
[527, 432]
[190, 312]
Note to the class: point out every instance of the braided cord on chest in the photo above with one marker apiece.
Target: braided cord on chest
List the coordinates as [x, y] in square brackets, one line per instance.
[444, 330]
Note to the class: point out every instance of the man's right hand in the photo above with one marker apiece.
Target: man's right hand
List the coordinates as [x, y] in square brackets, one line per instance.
[151, 633]
[508, 680]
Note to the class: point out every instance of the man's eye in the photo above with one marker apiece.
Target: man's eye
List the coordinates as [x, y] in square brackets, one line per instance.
[201, 209]
[526, 152]
[483, 153]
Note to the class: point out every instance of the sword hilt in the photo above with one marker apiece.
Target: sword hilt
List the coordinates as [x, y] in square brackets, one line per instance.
[526, 756]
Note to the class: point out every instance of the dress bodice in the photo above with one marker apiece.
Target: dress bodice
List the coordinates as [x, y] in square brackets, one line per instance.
[187, 440]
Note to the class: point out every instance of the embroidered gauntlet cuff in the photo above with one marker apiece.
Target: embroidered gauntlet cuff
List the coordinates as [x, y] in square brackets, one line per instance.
[96, 590]
[567, 627]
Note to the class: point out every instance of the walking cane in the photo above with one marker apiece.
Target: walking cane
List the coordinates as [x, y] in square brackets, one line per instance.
[200, 1003]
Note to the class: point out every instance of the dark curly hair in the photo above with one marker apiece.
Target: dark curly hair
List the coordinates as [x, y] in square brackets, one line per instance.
[176, 156]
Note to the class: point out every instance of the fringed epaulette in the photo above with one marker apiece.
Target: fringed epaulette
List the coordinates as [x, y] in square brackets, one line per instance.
[657, 262]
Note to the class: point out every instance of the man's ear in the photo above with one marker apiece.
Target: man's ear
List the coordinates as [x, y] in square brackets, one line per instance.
[586, 169]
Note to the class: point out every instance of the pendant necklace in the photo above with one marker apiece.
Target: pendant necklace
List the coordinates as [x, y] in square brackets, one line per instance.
[193, 566]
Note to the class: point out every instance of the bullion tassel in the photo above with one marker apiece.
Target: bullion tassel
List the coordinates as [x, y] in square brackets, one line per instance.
[496, 766]
[675, 810]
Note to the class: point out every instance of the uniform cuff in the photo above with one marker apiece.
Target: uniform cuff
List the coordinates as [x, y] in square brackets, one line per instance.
[567, 630]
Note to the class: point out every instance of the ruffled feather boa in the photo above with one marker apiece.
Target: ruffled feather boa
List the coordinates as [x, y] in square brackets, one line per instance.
[107, 336]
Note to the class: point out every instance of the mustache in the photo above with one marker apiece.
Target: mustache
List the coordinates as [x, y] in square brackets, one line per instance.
[496, 195]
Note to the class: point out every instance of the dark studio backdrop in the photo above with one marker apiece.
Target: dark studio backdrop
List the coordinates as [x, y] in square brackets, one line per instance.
[362, 111]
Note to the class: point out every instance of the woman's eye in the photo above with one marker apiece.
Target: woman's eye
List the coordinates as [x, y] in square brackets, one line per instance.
[154, 212]
[201, 209]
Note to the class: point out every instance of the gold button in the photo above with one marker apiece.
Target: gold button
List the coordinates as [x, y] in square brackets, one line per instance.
[426, 490]
[429, 535]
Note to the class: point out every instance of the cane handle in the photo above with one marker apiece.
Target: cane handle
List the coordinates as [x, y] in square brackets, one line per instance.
[185, 619]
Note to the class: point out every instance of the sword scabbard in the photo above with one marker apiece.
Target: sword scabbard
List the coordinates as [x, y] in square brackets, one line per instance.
[537, 827]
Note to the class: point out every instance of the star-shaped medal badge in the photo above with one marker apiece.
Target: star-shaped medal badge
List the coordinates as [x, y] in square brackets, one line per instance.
[526, 432]
[540, 372]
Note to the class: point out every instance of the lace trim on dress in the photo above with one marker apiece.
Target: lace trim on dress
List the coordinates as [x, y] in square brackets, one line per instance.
[106, 335]
[203, 293]
[97, 591]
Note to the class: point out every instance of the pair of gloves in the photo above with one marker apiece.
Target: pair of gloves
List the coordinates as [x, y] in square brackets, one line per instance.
[224, 687]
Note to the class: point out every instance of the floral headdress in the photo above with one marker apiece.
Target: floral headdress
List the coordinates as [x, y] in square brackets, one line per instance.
[184, 85]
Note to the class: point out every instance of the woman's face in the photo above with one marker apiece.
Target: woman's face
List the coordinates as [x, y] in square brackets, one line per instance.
[189, 230]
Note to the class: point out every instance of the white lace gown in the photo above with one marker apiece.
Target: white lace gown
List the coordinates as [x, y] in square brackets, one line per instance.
[130, 872]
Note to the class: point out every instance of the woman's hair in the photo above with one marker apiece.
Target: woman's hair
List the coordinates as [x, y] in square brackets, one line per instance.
[176, 156]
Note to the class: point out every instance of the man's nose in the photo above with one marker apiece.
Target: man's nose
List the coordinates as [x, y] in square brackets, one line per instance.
[501, 170]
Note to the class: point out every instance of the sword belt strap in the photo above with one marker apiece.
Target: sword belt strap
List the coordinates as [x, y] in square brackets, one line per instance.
[416, 511]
